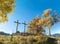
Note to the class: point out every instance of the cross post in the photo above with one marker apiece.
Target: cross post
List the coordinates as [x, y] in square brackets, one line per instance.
[24, 27]
[17, 22]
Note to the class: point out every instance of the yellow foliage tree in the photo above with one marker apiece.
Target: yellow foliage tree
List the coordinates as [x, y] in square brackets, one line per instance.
[47, 22]
[38, 24]
[6, 6]
[34, 26]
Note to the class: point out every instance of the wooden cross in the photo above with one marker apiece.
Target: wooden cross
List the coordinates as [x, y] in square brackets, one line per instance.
[17, 22]
[24, 26]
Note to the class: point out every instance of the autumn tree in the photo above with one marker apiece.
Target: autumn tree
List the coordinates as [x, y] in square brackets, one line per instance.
[37, 25]
[34, 27]
[6, 6]
[49, 20]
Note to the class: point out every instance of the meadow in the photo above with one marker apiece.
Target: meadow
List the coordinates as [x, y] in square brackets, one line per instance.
[25, 40]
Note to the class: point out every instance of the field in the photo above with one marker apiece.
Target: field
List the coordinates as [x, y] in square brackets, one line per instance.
[24, 40]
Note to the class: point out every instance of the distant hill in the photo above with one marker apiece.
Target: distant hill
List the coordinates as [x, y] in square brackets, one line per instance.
[57, 34]
[3, 33]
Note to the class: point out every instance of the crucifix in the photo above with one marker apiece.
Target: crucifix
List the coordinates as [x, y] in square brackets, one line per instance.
[24, 27]
[17, 22]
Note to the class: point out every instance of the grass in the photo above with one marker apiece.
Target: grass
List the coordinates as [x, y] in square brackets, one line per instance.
[23, 39]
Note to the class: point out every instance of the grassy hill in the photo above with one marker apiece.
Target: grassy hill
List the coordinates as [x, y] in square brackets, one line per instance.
[42, 39]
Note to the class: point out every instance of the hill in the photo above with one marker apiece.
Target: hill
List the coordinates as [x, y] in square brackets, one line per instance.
[3, 33]
[57, 34]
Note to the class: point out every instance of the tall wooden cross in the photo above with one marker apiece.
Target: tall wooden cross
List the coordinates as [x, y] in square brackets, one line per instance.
[17, 22]
[24, 26]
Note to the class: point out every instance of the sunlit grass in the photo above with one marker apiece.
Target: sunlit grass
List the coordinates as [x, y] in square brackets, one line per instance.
[22, 39]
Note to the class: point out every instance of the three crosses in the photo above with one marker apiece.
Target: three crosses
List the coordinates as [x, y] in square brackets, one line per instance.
[17, 22]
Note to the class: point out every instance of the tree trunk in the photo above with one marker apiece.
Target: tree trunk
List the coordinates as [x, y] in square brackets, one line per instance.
[49, 32]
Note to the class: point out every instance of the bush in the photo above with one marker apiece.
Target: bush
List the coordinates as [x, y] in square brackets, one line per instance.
[1, 43]
[51, 41]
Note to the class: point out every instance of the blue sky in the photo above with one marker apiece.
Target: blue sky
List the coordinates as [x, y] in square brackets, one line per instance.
[27, 10]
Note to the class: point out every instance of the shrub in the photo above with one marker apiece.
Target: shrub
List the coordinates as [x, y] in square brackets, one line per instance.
[51, 41]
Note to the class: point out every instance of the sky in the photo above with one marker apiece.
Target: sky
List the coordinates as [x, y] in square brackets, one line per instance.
[26, 10]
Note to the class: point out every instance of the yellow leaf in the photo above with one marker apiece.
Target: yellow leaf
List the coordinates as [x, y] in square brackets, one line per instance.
[4, 18]
[0, 13]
